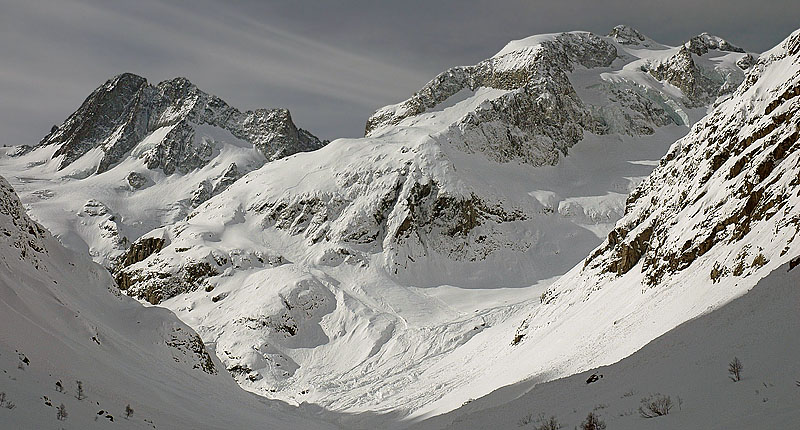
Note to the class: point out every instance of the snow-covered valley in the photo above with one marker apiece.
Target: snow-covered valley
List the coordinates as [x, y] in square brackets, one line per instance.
[452, 251]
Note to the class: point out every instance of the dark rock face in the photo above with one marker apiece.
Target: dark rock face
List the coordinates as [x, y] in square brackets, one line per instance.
[17, 229]
[107, 222]
[126, 109]
[159, 278]
[136, 180]
[228, 177]
[746, 62]
[192, 345]
[117, 108]
[142, 249]
[209, 188]
[158, 286]
[201, 193]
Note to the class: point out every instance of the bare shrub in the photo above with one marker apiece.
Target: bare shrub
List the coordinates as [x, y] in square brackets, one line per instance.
[593, 422]
[79, 390]
[548, 423]
[655, 405]
[735, 369]
[61, 412]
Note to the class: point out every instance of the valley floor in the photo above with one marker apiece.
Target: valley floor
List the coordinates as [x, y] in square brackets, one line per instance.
[688, 364]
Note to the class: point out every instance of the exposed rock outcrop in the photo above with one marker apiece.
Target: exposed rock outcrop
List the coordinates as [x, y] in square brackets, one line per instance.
[17, 229]
[538, 118]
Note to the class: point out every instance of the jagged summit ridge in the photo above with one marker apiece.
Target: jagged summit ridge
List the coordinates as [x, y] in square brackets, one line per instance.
[544, 62]
[135, 156]
[627, 35]
[703, 42]
[119, 114]
[535, 114]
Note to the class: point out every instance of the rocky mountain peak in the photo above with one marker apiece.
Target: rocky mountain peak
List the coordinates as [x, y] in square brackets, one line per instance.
[521, 64]
[702, 43]
[627, 35]
[107, 110]
[119, 114]
[691, 71]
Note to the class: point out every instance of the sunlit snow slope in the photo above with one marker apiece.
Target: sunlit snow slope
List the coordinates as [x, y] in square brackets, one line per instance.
[688, 364]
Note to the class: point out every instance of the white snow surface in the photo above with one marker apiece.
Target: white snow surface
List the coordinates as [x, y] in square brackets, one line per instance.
[57, 198]
[332, 323]
[62, 319]
[689, 364]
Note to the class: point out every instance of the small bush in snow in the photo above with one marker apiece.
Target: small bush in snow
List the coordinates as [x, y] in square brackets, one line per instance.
[593, 422]
[61, 412]
[79, 390]
[735, 369]
[655, 405]
[548, 423]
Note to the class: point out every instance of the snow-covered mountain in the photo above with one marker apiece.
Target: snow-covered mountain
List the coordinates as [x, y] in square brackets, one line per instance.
[355, 275]
[449, 177]
[420, 267]
[63, 320]
[717, 214]
[136, 156]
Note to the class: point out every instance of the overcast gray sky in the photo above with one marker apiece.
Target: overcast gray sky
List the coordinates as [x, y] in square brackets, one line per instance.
[332, 63]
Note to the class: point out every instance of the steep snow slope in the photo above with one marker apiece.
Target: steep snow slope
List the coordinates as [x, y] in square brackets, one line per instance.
[377, 273]
[136, 156]
[717, 214]
[689, 364]
[62, 320]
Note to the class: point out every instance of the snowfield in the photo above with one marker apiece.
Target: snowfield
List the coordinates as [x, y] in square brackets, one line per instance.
[63, 320]
[511, 228]
[689, 364]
